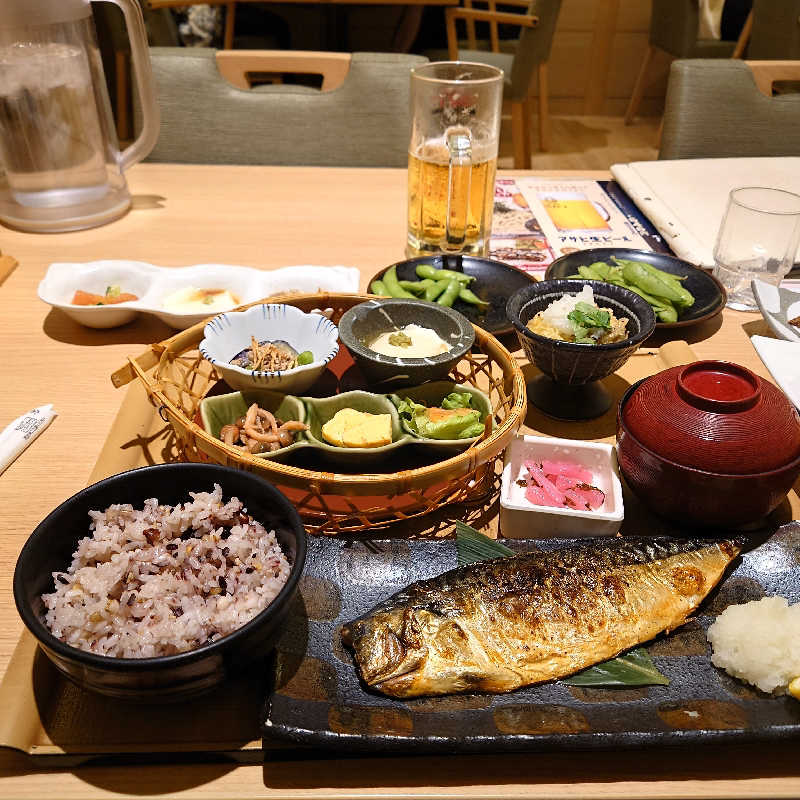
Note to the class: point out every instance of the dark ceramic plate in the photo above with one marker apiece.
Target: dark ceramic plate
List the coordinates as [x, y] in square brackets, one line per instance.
[709, 295]
[494, 282]
[318, 700]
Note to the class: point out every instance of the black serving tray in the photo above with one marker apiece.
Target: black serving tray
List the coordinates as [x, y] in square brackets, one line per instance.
[317, 698]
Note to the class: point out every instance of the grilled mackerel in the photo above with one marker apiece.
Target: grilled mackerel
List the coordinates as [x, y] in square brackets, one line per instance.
[497, 625]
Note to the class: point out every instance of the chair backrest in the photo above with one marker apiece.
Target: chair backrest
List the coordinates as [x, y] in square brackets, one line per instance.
[674, 29]
[714, 109]
[205, 119]
[776, 30]
[673, 26]
[534, 43]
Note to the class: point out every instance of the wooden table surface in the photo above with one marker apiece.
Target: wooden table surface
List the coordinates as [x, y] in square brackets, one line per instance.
[269, 217]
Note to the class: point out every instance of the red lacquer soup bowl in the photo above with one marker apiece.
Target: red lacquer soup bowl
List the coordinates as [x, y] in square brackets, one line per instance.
[708, 444]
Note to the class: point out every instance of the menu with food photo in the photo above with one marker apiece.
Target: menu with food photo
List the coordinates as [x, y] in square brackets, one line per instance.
[537, 220]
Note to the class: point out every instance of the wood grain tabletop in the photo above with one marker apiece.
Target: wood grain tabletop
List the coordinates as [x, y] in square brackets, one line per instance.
[267, 217]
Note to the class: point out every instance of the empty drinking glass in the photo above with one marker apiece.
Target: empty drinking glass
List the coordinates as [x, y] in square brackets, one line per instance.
[758, 238]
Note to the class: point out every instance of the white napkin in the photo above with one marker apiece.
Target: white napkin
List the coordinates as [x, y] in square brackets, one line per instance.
[686, 198]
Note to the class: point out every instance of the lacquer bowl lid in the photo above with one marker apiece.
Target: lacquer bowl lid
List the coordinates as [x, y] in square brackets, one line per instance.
[714, 416]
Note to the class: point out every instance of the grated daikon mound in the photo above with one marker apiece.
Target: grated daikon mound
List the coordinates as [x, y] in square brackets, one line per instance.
[759, 642]
[555, 315]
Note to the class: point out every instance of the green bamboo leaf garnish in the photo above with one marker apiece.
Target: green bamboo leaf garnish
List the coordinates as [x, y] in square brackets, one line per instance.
[473, 546]
[634, 668]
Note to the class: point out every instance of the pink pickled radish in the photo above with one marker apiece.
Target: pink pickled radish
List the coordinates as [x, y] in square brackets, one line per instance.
[566, 469]
[561, 484]
[548, 487]
[593, 496]
[537, 496]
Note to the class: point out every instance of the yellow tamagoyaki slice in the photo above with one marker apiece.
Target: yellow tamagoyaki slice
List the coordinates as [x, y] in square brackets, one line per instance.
[351, 428]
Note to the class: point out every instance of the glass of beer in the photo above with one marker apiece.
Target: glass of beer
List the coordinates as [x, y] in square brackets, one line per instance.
[452, 157]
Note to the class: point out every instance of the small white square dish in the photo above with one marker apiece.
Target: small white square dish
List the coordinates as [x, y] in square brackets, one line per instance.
[782, 359]
[779, 304]
[522, 519]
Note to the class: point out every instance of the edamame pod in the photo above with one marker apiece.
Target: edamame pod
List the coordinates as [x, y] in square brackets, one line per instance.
[590, 274]
[432, 292]
[675, 280]
[393, 285]
[449, 295]
[417, 287]
[379, 287]
[657, 282]
[635, 273]
[428, 271]
[663, 309]
[601, 268]
[468, 296]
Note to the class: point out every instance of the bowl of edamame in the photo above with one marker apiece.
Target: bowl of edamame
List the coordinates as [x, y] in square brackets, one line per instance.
[679, 293]
[476, 287]
[434, 337]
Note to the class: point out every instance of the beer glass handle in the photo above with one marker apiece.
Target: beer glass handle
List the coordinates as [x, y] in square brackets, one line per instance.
[459, 145]
[140, 55]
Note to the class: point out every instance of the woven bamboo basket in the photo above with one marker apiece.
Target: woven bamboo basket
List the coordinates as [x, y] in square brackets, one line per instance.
[177, 378]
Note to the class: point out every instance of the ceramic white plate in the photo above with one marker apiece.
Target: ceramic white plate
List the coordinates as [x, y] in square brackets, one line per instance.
[521, 519]
[152, 284]
[778, 305]
[782, 359]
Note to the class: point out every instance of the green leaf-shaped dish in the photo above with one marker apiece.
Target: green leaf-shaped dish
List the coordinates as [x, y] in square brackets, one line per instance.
[432, 394]
[223, 409]
[321, 410]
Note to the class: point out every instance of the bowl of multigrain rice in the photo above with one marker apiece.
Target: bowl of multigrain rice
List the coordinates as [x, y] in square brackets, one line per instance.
[158, 583]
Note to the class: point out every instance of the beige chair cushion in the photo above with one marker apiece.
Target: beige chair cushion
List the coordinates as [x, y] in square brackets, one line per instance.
[715, 110]
[204, 119]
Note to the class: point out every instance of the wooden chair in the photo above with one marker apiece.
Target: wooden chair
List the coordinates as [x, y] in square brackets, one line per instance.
[775, 32]
[212, 111]
[725, 109]
[673, 29]
[530, 56]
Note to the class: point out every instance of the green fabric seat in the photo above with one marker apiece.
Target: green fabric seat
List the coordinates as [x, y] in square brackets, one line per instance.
[715, 110]
[204, 119]
[673, 29]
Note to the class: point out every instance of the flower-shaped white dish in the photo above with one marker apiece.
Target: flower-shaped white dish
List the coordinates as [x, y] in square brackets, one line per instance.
[521, 519]
[228, 334]
[782, 359]
[778, 304]
[153, 284]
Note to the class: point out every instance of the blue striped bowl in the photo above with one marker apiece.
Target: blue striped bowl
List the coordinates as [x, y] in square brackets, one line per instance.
[227, 334]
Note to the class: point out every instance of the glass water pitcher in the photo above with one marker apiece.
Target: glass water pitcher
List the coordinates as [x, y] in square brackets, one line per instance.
[59, 153]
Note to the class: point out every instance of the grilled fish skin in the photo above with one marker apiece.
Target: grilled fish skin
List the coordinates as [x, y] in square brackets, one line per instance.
[497, 625]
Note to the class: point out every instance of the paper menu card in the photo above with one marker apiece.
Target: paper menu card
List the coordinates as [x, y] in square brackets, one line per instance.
[537, 220]
[685, 199]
